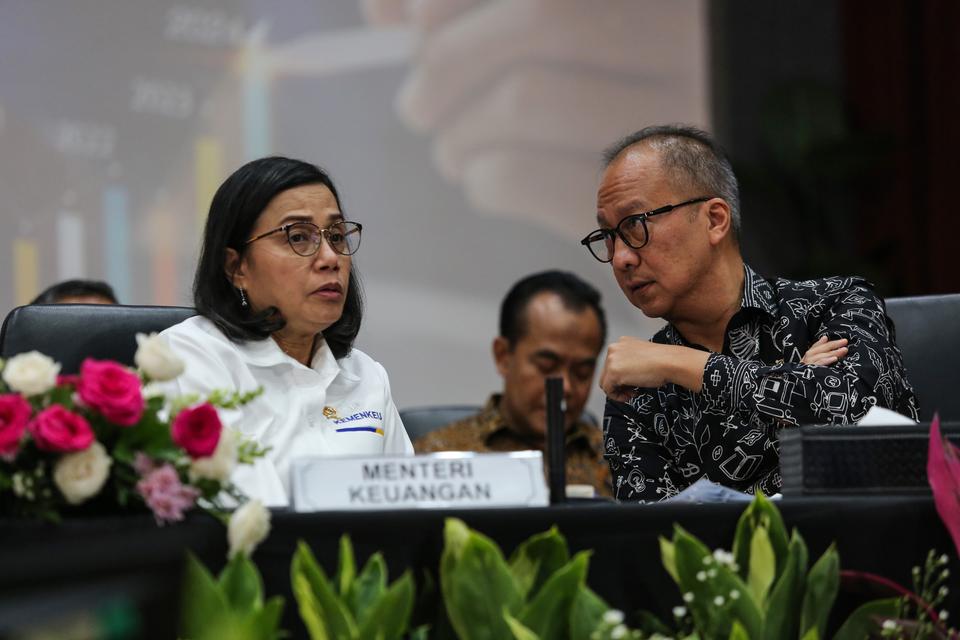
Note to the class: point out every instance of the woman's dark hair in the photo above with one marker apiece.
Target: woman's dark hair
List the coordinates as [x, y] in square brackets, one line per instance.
[233, 213]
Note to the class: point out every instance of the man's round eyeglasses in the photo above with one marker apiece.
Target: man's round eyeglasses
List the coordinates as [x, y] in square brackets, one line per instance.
[632, 230]
[305, 237]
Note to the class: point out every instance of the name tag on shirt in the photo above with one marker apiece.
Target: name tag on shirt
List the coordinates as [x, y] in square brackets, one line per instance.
[433, 481]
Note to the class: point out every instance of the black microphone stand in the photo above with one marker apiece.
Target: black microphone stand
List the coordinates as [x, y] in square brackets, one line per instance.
[556, 441]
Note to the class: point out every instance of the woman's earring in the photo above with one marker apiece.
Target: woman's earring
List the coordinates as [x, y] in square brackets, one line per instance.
[243, 296]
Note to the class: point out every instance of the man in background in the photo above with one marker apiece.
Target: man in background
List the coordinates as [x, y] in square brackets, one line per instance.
[77, 292]
[551, 324]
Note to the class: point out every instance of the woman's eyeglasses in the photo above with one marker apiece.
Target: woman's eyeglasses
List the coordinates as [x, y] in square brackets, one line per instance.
[305, 237]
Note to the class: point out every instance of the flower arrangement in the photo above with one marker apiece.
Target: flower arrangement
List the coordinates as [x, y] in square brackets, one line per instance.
[108, 439]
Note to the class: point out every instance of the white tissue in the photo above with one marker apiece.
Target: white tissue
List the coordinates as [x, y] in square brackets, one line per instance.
[880, 416]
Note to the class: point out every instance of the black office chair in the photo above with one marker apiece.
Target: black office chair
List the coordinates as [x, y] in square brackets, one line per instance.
[928, 334]
[420, 421]
[68, 333]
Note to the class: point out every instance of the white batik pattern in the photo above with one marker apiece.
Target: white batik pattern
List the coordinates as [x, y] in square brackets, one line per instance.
[664, 439]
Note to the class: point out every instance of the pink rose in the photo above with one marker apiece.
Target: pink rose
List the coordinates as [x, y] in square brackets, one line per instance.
[68, 380]
[57, 429]
[14, 415]
[111, 389]
[197, 430]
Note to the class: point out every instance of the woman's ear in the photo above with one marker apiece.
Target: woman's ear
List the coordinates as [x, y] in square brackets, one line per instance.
[719, 220]
[233, 268]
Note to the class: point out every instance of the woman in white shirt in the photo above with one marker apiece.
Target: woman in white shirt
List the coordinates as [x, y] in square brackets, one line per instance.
[279, 307]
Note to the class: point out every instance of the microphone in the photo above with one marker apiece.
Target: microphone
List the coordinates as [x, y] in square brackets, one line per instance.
[556, 441]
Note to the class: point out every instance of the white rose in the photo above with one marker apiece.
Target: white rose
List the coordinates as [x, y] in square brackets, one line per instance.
[81, 475]
[155, 358]
[249, 526]
[220, 465]
[31, 373]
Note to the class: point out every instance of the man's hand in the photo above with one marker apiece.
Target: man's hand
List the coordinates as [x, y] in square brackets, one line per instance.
[632, 362]
[825, 352]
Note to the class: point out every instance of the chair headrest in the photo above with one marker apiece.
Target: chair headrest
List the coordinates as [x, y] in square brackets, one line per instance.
[68, 333]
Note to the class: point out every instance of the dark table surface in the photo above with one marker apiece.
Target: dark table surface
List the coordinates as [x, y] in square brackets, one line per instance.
[40, 565]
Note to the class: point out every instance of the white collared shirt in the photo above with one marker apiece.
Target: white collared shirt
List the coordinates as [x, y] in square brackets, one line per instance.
[331, 408]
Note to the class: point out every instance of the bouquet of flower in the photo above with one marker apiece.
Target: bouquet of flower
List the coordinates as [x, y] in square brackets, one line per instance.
[108, 439]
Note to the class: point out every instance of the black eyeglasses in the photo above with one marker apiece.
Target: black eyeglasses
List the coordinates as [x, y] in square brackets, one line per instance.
[305, 237]
[632, 230]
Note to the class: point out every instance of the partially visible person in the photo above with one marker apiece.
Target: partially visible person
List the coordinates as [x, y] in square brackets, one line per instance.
[551, 324]
[279, 307]
[77, 292]
[742, 356]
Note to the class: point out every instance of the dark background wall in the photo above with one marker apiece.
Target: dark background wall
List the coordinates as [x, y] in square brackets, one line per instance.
[841, 119]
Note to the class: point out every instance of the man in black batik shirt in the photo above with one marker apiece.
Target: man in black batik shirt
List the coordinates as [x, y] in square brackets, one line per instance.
[742, 356]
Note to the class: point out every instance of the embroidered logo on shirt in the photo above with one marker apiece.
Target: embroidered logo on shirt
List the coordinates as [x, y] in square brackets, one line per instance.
[360, 415]
[376, 430]
[331, 414]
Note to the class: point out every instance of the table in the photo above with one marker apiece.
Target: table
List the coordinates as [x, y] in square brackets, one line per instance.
[885, 535]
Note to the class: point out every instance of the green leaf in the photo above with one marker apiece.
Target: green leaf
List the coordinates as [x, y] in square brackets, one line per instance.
[264, 623]
[455, 536]
[667, 554]
[586, 612]
[62, 395]
[151, 436]
[867, 619]
[537, 558]
[811, 634]
[762, 566]
[650, 624]
[347, 568]
[823, 581]
[367, 587]
[204, 605]
[712, 620]
[311, 613]
[519, 631]
[760, 513]
[548, 614]
[324, 614]
[241, 584]
[420, 633]
[389, 616]
[737, 632]
[785, 603]
[476, 583]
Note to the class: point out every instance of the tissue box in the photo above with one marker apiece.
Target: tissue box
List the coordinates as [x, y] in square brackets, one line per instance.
[857, 460]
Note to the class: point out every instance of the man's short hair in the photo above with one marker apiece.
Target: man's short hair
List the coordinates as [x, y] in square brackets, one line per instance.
[692, 158]
[74, 288]
[575, 294]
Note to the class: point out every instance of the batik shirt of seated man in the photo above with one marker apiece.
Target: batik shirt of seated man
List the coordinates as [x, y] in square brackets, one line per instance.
[488, 431]
[664, 439]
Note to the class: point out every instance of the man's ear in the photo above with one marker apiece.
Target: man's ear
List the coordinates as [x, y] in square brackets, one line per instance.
[502, 355]
[233, 268]
[719, 220]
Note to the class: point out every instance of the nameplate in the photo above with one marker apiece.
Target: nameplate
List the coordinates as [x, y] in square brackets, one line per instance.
[433, 481]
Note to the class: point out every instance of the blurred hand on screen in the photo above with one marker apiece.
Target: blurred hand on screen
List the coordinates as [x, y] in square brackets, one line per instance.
[521, 96]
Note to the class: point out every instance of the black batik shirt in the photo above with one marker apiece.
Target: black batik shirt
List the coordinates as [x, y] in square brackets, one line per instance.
[664, 439]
